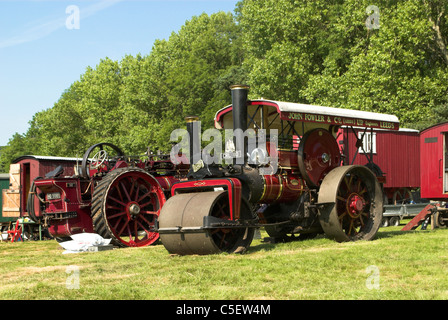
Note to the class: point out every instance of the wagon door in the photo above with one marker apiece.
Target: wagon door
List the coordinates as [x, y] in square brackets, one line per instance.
[11, 196]
[444, 165]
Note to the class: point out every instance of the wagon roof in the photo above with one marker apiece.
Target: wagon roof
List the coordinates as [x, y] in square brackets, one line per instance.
[439, 126]
[312, 113]
[51, 158]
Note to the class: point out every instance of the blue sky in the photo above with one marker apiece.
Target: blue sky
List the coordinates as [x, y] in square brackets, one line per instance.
[43, 48]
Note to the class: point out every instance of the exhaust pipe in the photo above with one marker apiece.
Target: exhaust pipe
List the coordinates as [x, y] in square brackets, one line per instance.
[239, 112]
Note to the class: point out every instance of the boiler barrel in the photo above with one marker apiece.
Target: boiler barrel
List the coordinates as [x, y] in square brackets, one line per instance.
[281, 188]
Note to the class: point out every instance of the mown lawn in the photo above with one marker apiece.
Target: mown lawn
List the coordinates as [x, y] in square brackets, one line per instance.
[395, 266]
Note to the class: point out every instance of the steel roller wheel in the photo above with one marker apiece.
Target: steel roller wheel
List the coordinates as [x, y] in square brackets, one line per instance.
[125, 206]
[318, 154]
[350, 204]
[188, 211]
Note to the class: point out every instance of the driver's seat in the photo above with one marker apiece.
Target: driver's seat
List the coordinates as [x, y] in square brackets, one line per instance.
[55, 173]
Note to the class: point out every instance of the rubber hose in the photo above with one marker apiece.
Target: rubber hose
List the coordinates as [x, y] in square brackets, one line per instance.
[30, 203]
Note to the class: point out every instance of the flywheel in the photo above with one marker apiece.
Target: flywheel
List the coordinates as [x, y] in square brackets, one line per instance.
[318, 154]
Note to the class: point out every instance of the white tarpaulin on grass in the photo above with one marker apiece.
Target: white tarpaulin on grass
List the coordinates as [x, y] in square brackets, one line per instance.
[82, 242]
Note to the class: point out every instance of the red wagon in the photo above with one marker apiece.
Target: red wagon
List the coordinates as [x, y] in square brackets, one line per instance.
[434, 162]
[433, 177]
[392, 155]
[23, 171]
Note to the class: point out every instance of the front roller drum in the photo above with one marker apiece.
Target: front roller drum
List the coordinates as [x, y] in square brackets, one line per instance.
[181, 225]
[350, 204]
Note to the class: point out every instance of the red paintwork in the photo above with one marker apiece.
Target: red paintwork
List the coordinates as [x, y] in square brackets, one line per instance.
[282, 188]
[320, 154]
[337, 121]
[104, 167]
[70, 201]
[71, 190]
[286, 158]
[355, 205]
[121, 214]
[166, 182]
[71, 213]
[433, 161]
[277, 187]
[232, 185]
[32, 167]
[397, 155]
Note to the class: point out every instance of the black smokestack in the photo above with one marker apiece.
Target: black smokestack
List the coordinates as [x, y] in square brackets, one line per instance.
[239, 111]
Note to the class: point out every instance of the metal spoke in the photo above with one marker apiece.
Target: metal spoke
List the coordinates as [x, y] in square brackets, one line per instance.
[117, 201]
[117, 215]
[124, 226]
[125, 191]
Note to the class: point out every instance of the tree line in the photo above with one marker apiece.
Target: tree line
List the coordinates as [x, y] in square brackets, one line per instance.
[309, 51]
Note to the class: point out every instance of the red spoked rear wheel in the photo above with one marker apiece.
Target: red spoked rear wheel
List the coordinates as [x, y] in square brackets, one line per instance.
[125, 206]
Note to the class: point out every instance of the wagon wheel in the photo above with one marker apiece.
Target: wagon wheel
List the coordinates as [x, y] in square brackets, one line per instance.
[125, 206]
[402, 196]
[318, 154]
[350, 204]
[99, 157]
[440, 219]
[394, 221]
[189, 210]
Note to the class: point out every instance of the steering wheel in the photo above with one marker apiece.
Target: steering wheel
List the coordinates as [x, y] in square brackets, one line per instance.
[99, 157]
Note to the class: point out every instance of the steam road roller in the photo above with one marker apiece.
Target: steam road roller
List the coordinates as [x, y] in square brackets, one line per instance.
[281, 169]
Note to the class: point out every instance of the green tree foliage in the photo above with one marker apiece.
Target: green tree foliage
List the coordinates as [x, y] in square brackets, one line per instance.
[322, 52]
[310, 51]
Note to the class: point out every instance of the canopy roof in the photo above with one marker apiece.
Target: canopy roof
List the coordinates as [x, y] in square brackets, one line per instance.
[311, 113]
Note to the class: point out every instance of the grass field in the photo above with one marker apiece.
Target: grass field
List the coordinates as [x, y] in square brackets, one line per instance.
[396, 265]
